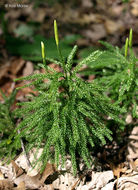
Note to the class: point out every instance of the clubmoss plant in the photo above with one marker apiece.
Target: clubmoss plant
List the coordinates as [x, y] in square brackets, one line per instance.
[8, 145]
[116, 70]
[69, 114]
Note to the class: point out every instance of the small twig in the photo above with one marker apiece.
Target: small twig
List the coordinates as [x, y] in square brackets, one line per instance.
[76, 183]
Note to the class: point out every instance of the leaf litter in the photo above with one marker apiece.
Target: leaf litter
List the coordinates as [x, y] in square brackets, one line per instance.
[124, 175]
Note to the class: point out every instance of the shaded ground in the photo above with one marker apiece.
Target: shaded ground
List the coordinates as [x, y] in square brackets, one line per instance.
[108, 20]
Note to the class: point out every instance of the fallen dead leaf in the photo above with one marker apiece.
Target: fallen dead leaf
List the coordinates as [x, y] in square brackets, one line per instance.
[35, 182]
[21, 161]
[12, 14]
[47, 187]
[21, 186]
[30, 182]
[33, 179]
[38, 15]
[128, 183]
[7, 89]
[132, 152]
[1, 176]
[129, 119]
[99, 180]
[118, 170]
[86, 3]
[32, 172]
[113, 26]
[50, 169]
[17, 170]
[11, 68]
[134, 165]
[4, 70]
[16, 65]
[28, 70]
[96, 33]
[134, 9]
[6, 184]
[115, 10]
[108, 186]
[91, 78]
[55, 67]
[88, 18]
[64, 182]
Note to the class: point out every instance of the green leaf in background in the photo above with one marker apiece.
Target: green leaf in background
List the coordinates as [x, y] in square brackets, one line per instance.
[32, 50]
[24, 30]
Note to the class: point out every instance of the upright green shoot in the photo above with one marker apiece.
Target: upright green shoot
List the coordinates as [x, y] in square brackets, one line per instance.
[57, 43]
[126, 47]
[69, 114]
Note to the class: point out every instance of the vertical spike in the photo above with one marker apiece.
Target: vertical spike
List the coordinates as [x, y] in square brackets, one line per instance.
[130, 38]
[43, 50]
[57, 44]
[56, 32]
[126, 47]
[43, 54]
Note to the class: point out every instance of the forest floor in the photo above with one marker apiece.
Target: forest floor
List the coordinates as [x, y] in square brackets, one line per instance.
[116, 167]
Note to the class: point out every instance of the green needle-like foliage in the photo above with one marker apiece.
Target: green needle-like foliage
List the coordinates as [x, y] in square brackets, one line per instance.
[117, 71]
[7, 126]
[69, 114]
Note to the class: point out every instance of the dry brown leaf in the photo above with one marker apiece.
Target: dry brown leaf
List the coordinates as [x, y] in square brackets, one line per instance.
[64, 182]
[6, 185]
[28, 70]
[96, 33]
[30, 182]
[21, 186]
[32, 172]
[38, 15]
[86, 3]
[134, 9]
[134, 165]
[1, 176]
[7, 88]
[21, 160]
[113, 26]
[47, 187]
[12, 14]
[115, 10]
[50, 169]
[129, 119]
[91, 78]
[16, 65]
[98, 181]
[127, 183]
[4, 70]
[19, 179]
[118, 170]
[90, 18]
[17, 170]
[35, 182]
[66, 14]
[11, 68]
[136, 162]
[87, 18]
[55, 67]
[133, 144]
